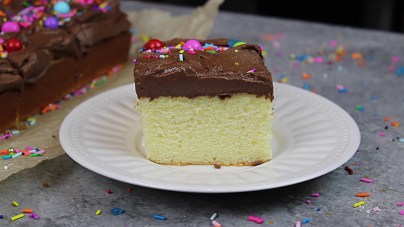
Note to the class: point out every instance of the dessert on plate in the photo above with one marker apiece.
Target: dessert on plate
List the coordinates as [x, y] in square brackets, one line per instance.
[50, 48]
[204, 102]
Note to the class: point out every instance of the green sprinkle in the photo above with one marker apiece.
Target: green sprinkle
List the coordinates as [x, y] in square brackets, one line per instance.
[358, 107]
[213, 52]
[32, 155]
[26, 4]
[393, 140]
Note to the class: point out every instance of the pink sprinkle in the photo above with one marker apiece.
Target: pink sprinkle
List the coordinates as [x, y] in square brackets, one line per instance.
[308, 201]
[296, 65]
[133, 39]
[382, 134]
[256, 219]
[261, 48]
[395, 58]
[318, 59]
[191, 52]
[340, 87]
[298, 224]
[65, 15]
[333, 43]
[366, 180]
[357, 163]
[6, 136]
[134, 61]
[40, 152]
[399, 204]
[276, 44]
[391, 68]
[56, 105]
[16, 150]
[402, 212]
[315, 194]
[1, 40]
[157, 56]
[29, 148]
[279, 54]
[276, 69]
[215, 223]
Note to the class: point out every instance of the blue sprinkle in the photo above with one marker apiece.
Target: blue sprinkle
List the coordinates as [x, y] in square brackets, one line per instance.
[362, 83]
[282, 76]
[37, 149]
[181, 57]
[361, 109]
[133, 31]
[306, 86]
[373, 97]
[305, 221]
[340, 68]
[159, 217]
[319, 208]
[400, 71]
[376, 114]
[31, 122]
[372, 58]
[7, 157]
[231, 42]
[15, 132]
[162, 56]
[1, 216]
[343, 90]
[401, 140]
[117, 211]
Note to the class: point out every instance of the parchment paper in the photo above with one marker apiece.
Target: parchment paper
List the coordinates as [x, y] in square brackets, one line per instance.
[155, 23]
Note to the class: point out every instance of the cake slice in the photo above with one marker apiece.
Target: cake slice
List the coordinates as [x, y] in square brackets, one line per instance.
[205, 102]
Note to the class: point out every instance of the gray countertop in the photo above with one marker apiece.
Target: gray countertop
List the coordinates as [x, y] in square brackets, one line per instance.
[75, 193]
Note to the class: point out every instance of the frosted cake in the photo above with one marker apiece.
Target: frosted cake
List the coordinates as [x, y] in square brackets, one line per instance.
[204, 102]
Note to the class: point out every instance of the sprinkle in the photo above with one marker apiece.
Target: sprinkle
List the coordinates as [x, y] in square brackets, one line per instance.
[402, 212]
[373, 97]
[368, 212]
[117, 211]
[376, 114]
[215, 223]
[296, 65]
[329, 213]
[236, 63]
[308, 201]
[377, 209]
[162, 56]
[5, 168]
[32, 215]
[159, 217]
[129, 189]
[340, 68]
[319, 208]
[361, 63]
[109, 191]
[395, 58]
[387, 119]
[318, 59]
[305, 221]
[395, 124]
[306, 76]
[292, 56]
[1, 216]
[98, 212]
[134, 61]
[384, 190]
[350, 171]
[217, 166]
[181, 57]
[27, 210]
[402, 140]
[366, 180]
[362, 109]
[382, 134]
[256, 219]
[264, 53]
[213, 217]
[359, 204]
[298, 224]
[315, 194]
[356, 56]
[17, 217]
[276, 69]
[363, 194]
[251, 71]
[15, 203]
[391, 68]
[270, 222]
[46, 184]
[399, 204]
[306, 86]
[15, 132]
[333, 43]
[34, 155]
[6, 157]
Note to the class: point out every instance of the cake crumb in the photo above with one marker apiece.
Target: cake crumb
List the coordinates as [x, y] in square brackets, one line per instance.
[46, 184]
[259, 162]
[217, 166]
[53, 136]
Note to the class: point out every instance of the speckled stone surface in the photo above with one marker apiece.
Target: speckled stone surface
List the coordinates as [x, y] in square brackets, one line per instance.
[75, 193]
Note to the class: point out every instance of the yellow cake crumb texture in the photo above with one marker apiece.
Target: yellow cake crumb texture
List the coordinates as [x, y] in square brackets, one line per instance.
[207, 130]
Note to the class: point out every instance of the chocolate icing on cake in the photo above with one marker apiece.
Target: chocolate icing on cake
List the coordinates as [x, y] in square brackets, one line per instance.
[203, 73]
[43, 45]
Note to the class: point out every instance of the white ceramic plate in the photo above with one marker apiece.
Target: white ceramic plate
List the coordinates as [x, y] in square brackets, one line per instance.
[312, 136]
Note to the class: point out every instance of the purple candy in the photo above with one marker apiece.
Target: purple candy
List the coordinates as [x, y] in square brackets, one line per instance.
[10, 26]
[51, 22]
[192, 44]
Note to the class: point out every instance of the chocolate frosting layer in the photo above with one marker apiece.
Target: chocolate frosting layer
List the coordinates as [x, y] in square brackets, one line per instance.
[43, 45]
[9, 78]
[203, 74]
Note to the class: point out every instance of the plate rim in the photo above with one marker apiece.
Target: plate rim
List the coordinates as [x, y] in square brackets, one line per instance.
[66, 145]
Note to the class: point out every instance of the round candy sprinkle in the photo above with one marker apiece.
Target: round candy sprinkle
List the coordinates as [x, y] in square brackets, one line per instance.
[51, 22]
[13, 44]
[192, 44]
[154, 44]
[10, 26]
[62, 7]
[109, 191]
